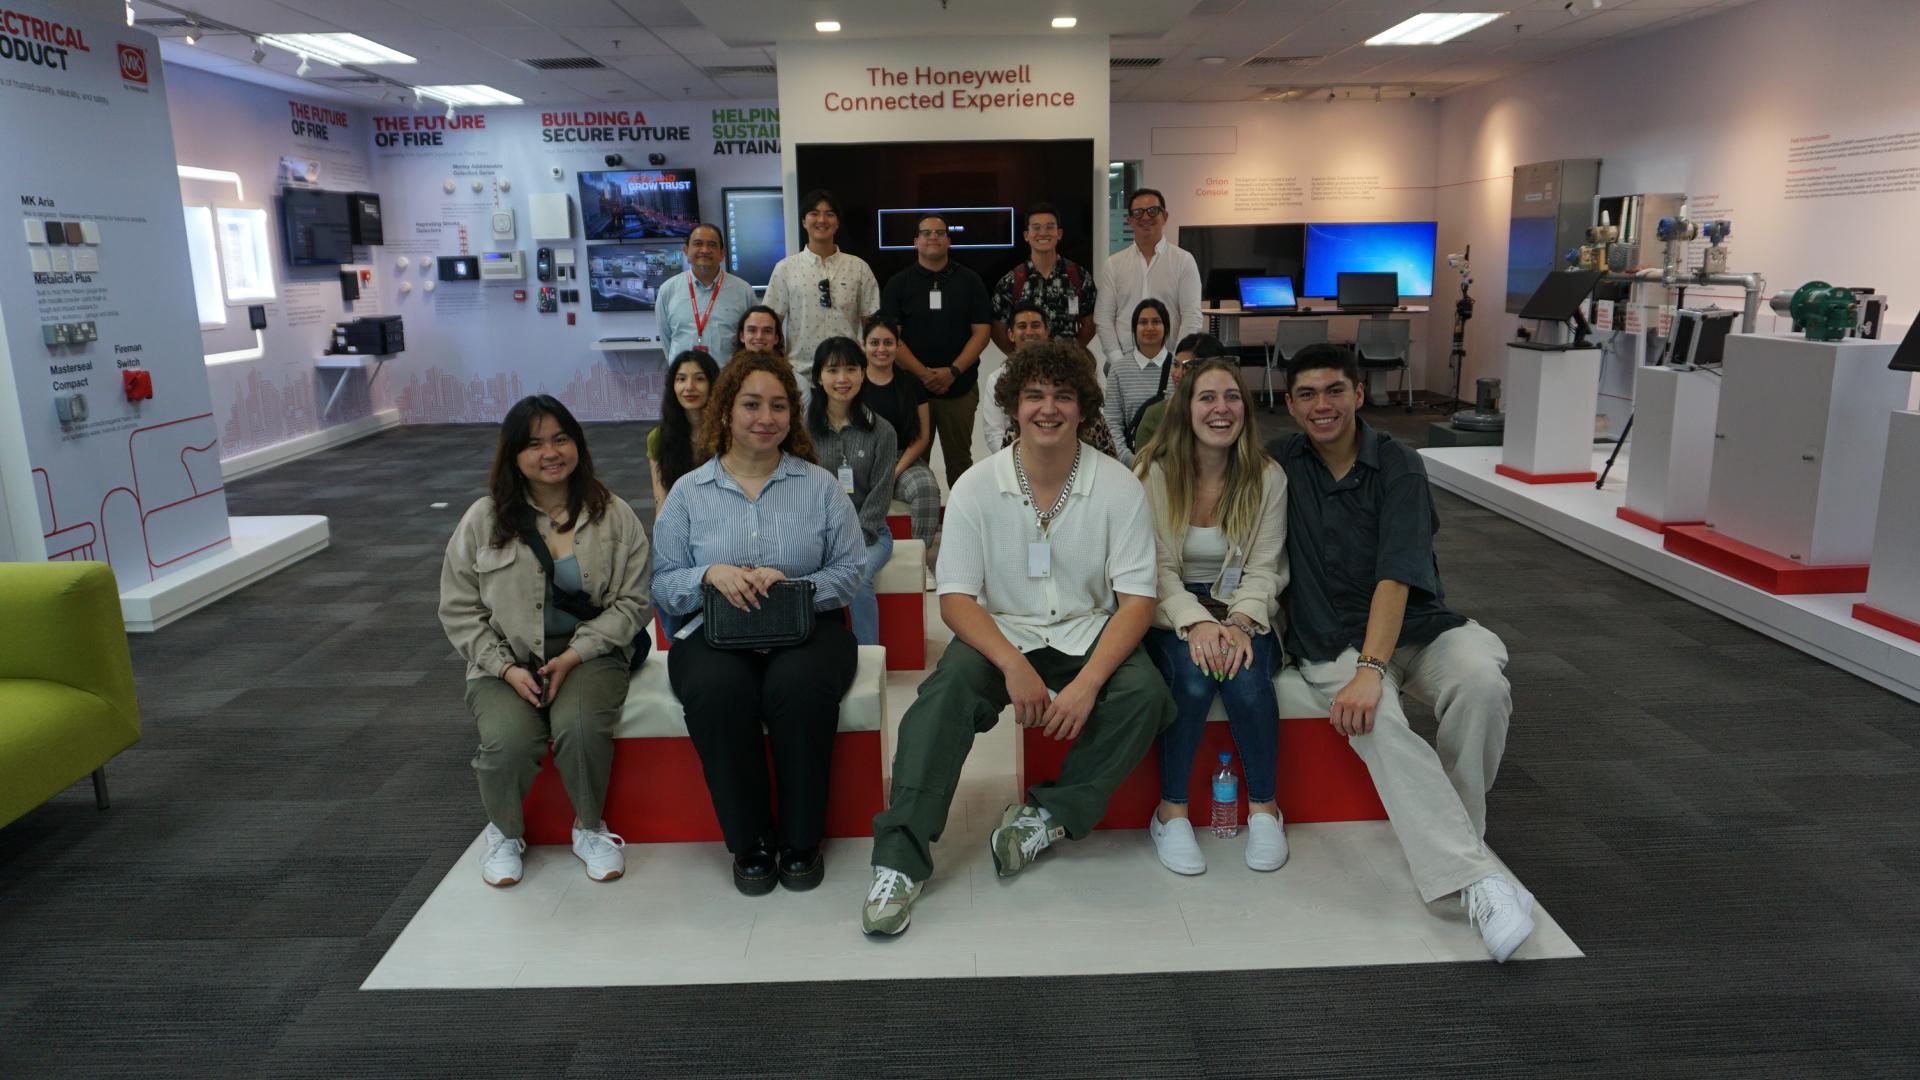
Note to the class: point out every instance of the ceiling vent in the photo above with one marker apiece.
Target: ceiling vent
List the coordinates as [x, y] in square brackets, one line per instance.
[564, 63]
[348, 80]
[740, 71]
[1284, 61]
[1133, 63]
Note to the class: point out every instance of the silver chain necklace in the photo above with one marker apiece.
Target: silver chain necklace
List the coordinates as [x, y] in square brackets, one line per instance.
[1026, 488]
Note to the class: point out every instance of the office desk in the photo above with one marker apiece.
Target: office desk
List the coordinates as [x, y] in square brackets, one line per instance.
[1224, 323]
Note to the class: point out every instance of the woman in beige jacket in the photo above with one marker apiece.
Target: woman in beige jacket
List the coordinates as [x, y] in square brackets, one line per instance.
[546, 660]
[1219, 516]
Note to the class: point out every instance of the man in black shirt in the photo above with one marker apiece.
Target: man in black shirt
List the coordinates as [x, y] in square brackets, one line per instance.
[945, 318]
[1367, 618]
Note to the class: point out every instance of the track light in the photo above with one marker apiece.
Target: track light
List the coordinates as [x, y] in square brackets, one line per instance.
[130, 15]
[449, 114]
[193, 34]
[1376, 95]
[259, 52]
[305, 66]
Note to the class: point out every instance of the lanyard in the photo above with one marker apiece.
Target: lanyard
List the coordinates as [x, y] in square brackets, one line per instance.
[693, 302]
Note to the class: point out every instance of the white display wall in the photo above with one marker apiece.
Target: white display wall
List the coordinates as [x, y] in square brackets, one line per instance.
[472, 348]
[1795, 120]
[134, 484]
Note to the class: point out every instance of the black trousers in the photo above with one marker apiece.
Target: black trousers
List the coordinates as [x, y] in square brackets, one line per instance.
[792, 695]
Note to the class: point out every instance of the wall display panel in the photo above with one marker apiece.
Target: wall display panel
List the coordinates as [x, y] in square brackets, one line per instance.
[638, 204]
[1405, 248]
[627, 277]
[316, 227]
[756, 228]
[985, 187]
[1226, 253]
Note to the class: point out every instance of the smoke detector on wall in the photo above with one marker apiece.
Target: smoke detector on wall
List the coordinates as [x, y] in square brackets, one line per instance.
[503, 224]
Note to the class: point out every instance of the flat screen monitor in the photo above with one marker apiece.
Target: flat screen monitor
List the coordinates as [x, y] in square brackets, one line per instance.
[1366, 289]
[1399, 247]
[1907, 356]
[316, 227]
[1223, 282]
[756, 224]
[1227, 253]
[1560, 295]
[982, 188]
[1267, 294]
[627, 277]
[638, 204]
[459, 268]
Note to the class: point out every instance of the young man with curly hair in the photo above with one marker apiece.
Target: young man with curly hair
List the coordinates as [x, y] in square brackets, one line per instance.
[1047, 581]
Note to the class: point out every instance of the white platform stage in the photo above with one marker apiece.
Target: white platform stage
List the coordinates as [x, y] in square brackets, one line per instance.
[1582, 518]
[262, 547]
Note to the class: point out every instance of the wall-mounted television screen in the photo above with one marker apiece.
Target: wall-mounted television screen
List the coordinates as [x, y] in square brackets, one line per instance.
[638, 204]
[1227, 253]
[756, 224]
[627, 277]
[315, 227]
[985, 189]
[1401, 247]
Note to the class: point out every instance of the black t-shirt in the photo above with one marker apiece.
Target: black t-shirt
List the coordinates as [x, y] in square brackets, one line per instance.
[898, 403]
[936, 337]
[1344, 537]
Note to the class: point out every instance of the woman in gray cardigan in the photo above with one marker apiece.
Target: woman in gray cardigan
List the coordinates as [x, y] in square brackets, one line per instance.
[859, 448]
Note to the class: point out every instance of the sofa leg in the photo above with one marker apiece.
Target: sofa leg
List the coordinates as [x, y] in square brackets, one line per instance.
[100, 787]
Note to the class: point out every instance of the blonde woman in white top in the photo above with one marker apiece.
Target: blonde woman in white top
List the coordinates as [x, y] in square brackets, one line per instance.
[1219, 509]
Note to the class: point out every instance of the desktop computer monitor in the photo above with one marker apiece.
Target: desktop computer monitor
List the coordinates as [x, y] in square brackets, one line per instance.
[1367, 289]
[1267, 294]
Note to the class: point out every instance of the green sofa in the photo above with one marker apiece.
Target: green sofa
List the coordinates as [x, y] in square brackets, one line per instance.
[66, 681]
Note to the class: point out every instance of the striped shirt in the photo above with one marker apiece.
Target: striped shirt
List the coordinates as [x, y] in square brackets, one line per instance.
[1131, 383]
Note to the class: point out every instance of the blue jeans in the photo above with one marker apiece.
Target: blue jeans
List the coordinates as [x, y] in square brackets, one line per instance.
[865, 609]
[1253, 713]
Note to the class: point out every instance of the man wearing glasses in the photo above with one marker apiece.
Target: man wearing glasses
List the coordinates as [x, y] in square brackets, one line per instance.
[945, 318]
[820, 291]
[700, 306]
[1063, 290]
[1151, 266]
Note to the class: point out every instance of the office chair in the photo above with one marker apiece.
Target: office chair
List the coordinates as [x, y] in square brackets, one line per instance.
[1289, 337]
[1383, 344]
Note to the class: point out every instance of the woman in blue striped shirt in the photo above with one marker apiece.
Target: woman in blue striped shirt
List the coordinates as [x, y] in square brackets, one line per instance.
[759, 510]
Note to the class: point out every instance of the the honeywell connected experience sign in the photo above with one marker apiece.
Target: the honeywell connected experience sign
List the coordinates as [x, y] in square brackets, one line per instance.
[929, 88]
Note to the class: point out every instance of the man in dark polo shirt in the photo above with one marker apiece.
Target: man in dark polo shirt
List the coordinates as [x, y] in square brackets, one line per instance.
[945, 318]
[1367, 620]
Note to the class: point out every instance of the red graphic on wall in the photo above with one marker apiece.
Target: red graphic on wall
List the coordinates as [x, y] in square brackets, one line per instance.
[133, 63]
[71, 544]
[179, 471]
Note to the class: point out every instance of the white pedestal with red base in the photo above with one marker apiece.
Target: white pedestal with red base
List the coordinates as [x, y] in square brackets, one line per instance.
[1549, 396]
[1893, 582]
[1674, 411]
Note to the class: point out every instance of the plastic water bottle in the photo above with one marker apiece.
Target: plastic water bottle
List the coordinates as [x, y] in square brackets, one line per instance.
[1226, 800]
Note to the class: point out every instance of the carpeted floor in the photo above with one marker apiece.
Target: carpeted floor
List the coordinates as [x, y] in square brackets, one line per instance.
[1727, 827]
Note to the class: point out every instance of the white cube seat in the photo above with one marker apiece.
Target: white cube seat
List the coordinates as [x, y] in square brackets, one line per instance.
[652, 712]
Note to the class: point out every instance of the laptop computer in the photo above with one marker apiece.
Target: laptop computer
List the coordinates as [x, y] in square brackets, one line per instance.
[1267, 294]
[1367, 291]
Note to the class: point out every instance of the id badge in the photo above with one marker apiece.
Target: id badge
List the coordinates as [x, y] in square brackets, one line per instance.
[1073, 305]
[697, 347]
[1230, 580]
[933, 300]
[1039, 559]
[846, 478]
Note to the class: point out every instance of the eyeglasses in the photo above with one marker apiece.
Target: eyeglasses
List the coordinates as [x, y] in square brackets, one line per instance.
[933, 234]
[826, 292]
[1043, 228]
[1146, 213]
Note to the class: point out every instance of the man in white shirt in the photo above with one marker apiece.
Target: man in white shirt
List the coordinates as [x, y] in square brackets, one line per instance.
[1047, 581]
[820, 291]
[1151, 266]
[700, 306]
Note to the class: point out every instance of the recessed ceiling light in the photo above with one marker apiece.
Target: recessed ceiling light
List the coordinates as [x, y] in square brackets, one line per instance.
[827, 26]
[1213, 60]
[1434, 27]
[1065, 22]
[468, 94]
[337, 49]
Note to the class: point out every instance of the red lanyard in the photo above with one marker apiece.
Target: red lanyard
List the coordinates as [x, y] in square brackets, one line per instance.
[693, 301]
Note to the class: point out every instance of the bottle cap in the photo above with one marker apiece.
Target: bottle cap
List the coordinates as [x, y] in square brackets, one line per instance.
[1224, 758]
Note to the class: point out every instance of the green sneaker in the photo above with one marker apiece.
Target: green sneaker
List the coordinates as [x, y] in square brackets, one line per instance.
[1023, 834]
[890, 902]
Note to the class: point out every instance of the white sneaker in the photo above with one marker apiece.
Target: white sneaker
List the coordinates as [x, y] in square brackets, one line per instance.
[1502, 910]
[500, 861]
[1173, 841]
[1266, 842]
[600, 850]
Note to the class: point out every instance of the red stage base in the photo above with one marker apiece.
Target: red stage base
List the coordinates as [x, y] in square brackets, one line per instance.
[1546, 478]
[900, 526]
[903, 630]
[1761, 569]
[1652, 524]
[659, 795]
[1887, 620]
[1321, 778]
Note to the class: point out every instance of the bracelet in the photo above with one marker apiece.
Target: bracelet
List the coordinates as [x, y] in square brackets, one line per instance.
[1379, 667]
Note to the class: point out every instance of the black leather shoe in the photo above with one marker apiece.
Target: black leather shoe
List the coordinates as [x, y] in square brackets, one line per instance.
[802, 870]
[755, 871]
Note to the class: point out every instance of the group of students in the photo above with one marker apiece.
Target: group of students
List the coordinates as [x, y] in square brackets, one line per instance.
[1106, 604]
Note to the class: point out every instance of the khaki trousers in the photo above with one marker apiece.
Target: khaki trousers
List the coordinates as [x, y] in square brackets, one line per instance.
[514, 737]
[1436, 796]
[953, 425]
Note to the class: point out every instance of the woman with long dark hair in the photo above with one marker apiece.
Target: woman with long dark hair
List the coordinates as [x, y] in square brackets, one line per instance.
[757, 511]
[670, 454]
[859, 448]
[1134, 382]
[1219, 507]
[548, 650]
[902, 402]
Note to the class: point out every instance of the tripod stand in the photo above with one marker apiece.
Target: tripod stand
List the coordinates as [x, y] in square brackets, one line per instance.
[1462, 311]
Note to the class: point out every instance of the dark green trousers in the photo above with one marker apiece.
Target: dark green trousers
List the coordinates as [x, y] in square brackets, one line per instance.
[962, 698]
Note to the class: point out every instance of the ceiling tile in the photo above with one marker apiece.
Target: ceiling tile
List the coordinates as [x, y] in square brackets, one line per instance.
[607, 41]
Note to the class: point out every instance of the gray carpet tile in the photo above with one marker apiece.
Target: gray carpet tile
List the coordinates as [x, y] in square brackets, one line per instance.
[1725, 825]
